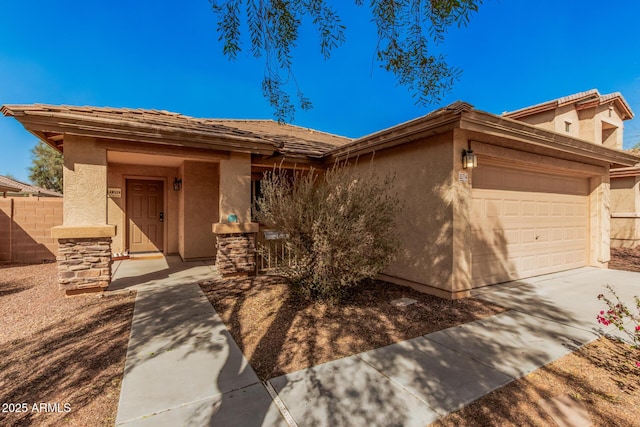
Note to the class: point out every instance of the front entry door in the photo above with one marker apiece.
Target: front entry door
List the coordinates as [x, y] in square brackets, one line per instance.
[145, 215]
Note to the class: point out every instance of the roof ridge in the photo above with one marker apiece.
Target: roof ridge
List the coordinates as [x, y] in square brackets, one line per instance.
[578, 98]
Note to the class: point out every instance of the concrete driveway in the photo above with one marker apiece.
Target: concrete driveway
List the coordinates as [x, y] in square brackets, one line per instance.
[569, 297]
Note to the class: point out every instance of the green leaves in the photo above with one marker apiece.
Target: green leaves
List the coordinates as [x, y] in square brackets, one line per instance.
[46, 167]
[273, 27]
[407, 30]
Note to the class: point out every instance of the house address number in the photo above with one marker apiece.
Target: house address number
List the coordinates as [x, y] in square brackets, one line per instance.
[114, 192]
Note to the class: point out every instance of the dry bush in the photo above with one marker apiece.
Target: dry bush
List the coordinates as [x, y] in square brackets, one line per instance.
[340, 226]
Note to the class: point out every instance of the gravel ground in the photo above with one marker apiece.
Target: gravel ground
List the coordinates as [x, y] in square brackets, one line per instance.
[59, 351]
[56, 350]
[280, 333]
[600, 377]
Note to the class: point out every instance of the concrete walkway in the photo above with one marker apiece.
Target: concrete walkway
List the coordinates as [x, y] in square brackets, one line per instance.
[183, 368]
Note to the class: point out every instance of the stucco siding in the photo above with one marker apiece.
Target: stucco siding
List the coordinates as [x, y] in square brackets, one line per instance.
[422, 173]
[200, 185]
[85, 182]
[544, 120]
[625, 211]
[624, 193]
[235, 187]
[117, 178]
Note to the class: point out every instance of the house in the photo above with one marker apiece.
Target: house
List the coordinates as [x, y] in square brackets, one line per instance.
[5, 188]
[597, 118]
[625, 207]
[147, 180]
[14, 188]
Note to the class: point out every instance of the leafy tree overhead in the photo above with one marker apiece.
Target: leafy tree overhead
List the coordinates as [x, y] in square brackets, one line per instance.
[46, 167]
[407, 32]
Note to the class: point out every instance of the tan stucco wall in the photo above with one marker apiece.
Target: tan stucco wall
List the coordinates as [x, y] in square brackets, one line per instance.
[585, 124]
[235, 187]
[116, 178]
[625, 194]
[85, 182]
[625, 211]
[566, 114]
[600, 225]
[200, 188]
[555, 120]
[181, 200]
[544, 120]
[426, 227]
[591, 122]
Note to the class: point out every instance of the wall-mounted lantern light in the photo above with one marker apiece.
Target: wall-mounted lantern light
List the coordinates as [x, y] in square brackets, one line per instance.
[469, 160]
[177, 184]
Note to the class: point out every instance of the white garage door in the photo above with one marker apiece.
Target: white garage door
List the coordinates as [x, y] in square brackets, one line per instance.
[526, 223]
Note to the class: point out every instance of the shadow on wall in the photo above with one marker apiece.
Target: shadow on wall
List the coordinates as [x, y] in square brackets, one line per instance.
[25, 229]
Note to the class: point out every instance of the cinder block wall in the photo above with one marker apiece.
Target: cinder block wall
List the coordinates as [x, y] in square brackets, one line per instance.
[25, 228]
[5, 224]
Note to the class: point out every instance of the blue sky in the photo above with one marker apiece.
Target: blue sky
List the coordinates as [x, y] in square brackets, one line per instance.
[165, 55]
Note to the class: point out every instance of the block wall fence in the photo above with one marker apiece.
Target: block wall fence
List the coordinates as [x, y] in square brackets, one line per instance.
[25, 229]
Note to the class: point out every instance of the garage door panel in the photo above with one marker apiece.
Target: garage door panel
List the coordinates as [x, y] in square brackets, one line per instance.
[535, 225]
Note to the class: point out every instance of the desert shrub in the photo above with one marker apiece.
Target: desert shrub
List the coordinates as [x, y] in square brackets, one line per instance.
[340, 226]
[619, 315]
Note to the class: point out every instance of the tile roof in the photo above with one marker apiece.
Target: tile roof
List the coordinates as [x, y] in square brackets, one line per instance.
[288, 138]
[283, 138]
[579, 98]
[15, 186]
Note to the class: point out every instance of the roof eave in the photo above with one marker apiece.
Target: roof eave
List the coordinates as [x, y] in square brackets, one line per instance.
[437, 122]
[39, 124]
[514, 129]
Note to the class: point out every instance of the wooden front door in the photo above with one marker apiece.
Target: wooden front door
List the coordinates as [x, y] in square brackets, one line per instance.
[145, 215]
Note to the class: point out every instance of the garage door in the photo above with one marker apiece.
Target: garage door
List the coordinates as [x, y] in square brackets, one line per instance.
[526, 223]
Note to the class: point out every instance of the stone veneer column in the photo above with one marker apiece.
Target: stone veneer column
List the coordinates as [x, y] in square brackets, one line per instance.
[236, 254]
[236, 248]
[84, 258]
[84, 264]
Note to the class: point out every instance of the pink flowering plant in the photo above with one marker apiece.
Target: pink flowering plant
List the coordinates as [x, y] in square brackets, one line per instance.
[617, 314]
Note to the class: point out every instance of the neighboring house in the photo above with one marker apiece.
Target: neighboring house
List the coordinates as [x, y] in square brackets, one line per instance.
[14, 188]
[146, 180]
[625, 206]
[4, 189]
[27, 214]
[598, 119]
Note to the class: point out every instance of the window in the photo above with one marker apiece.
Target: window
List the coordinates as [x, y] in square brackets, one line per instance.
[610, 135]
[255, 195]
[567, 126]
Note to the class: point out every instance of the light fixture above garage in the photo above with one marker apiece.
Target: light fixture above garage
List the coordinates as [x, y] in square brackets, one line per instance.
[177, 184]
[469, 160]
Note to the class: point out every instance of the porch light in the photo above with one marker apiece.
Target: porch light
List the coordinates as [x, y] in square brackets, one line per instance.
[177, 184]
[469, 160]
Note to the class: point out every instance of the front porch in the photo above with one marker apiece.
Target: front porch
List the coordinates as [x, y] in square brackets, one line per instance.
[157, 271]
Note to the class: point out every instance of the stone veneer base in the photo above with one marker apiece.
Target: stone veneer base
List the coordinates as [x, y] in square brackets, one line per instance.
[84, 264]
[236, 254]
